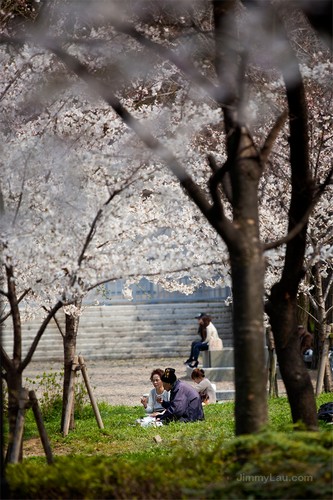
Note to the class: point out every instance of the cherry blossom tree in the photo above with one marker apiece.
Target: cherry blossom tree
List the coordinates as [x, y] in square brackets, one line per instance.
[242, 152]
[215, 129]
[54, 205]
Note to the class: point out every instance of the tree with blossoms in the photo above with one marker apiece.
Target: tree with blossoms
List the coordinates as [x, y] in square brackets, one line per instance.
[206, 120]
[60, 240]
[82, 213]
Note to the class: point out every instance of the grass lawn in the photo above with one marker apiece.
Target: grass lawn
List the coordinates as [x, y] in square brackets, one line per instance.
[196, 460]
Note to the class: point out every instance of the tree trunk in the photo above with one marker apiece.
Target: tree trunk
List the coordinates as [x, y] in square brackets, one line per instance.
[69, 343]
[249, 345]
[296, 378]
[14, 384]
[247, 271]
[282, 308]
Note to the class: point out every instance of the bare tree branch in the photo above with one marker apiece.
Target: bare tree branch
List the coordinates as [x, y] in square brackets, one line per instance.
[18, 301]
[182, 63]
[5, 360]
[308, 312]
[304, 220]
[222, 224]
[157, 273]
[328, 287]
[38, 336]
[270, 139]
[56, 322]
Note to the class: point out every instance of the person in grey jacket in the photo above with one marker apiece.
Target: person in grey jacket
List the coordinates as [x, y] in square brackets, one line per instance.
[185, 402]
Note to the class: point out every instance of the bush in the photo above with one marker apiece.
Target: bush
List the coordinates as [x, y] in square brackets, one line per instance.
[265, 465]
[199, 460]
[49, 389]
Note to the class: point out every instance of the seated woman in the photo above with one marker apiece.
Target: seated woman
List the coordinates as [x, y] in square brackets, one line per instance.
[203, 386]
[208, 334]
[184, 405]
[150, 404]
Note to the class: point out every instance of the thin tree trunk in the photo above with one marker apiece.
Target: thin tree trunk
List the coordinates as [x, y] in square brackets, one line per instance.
[69, 343]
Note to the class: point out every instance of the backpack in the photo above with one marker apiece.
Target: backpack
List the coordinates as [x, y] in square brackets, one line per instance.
[325, 412]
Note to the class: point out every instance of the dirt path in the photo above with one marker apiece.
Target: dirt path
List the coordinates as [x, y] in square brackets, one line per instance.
[121, 382]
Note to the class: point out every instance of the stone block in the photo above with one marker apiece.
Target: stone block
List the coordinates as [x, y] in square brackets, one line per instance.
[224, 374]
[228, 395]
[216, 359]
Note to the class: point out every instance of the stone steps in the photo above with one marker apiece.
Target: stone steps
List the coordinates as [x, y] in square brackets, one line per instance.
[121, 331]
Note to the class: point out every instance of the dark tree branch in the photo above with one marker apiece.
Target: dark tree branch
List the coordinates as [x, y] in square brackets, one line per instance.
[90, 236]
[6, 363]
[18, 301]
[56, 322]
[182, 63]
[38, 336]
[221, 224]
[170, 271]
[15, 313]
[328, 287]
[292, 233]
[320, 15]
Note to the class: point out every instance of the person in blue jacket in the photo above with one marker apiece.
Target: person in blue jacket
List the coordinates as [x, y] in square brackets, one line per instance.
[184, 404]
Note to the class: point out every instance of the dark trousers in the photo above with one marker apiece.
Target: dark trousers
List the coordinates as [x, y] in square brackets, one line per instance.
[196, 347]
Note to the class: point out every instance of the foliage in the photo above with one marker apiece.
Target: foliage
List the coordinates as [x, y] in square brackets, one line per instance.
[108, 182]
[199, 460]
[48, 388]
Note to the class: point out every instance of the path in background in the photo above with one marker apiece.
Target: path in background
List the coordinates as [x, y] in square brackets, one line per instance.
[119, 382]
[123, 382]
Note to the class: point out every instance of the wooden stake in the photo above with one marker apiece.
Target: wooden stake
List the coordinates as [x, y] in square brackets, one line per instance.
[273, 386]
[90, 393]
[322, 365]
[40, 424]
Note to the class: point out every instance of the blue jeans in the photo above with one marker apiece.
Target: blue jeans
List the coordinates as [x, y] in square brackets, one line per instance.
[196, 347]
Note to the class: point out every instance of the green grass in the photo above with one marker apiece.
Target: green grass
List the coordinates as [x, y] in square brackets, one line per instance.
[197, 460]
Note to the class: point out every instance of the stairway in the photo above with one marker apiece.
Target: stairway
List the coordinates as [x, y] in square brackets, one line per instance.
[126, 331]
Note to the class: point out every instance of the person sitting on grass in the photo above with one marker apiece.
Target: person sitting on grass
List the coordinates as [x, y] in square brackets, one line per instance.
[185, 402]
[150, 403]
[203, 386]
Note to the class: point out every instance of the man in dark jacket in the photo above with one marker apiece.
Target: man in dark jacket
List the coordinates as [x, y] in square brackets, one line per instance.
[185, 402]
